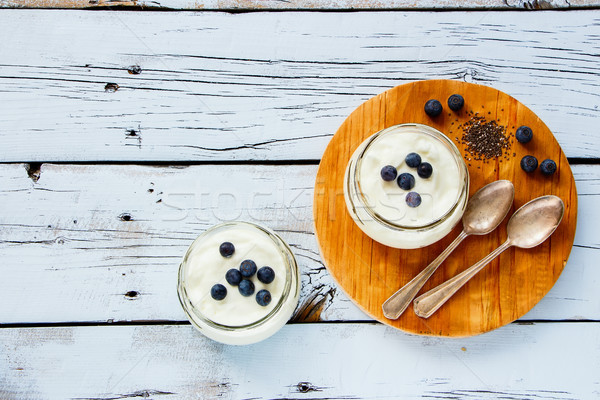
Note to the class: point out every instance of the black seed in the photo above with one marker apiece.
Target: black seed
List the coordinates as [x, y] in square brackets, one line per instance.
[485, 140]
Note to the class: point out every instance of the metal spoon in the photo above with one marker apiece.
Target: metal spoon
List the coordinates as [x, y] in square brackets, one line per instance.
[485, 210]
[529, 226]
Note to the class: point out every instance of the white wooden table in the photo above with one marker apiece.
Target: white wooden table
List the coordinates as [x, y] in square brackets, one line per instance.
[108, 174]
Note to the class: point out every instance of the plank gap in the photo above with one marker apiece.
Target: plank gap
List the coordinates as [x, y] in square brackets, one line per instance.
[331, 322]
[35, 166]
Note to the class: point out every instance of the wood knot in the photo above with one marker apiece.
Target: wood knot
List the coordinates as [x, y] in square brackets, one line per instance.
[134, 69]
[132, 294]
[34, 170]
[125, 217]
[305, 387]
[111, 87]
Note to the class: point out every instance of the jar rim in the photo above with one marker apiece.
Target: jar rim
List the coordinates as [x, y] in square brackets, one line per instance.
[435, 134]
[291, 269]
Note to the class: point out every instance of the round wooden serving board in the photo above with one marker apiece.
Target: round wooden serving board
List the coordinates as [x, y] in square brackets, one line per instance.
[510, 285]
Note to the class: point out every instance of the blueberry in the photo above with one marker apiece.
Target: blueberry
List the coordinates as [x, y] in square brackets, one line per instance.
[388, 173]
[425, 170]
[529, 163]
[218, 292]
[456, 102]
[406, 181]
[226, 249]
[548, 167]
[265, 274]
[433, 108]
[413, 160]
[413, 199]
[524, 134]
[248, 268]
[246, 288]
[263, 297]
[233, 277]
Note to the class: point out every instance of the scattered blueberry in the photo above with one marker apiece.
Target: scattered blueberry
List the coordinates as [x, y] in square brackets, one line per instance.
[233, 277]
[248, 268]
[406, 181]
[524, 134]
[433, 108]
[218, 292]
[246, 288]
[548, 167]
[425, 170]
[388, 173]
[265, 275]
[413, 199]
[413, 160]
[456, 102]
[263, 297]
[529, 163]
[226, 249]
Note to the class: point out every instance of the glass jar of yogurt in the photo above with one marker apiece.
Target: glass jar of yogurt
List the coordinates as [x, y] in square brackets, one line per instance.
[240, 316]
[383, 209]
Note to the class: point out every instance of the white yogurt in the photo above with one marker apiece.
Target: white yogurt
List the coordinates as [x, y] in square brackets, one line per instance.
[379, 208]
[238, 319]
[438, 193]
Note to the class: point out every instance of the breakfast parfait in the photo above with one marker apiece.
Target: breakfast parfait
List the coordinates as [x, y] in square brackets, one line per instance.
[406, 186]
[238, 283]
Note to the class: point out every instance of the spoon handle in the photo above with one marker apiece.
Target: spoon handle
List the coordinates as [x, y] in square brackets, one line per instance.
[428, 303]
[395, 305]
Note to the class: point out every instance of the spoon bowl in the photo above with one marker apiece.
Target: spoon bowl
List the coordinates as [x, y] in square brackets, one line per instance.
[488, 207]
[535, 221]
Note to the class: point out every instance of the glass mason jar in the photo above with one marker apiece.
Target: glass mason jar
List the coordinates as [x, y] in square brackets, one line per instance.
[237, 319]
[382, 210]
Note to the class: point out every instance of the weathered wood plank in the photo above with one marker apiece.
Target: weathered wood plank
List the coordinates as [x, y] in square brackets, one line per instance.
[308, 361]
[103, 242]
[269, 86]
[306, 4]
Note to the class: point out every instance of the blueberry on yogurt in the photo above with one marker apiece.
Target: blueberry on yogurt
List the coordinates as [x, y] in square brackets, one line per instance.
[233, 277]
[263, 297]
[226, 249]
[425, 170]
[413, 199]
[406, 181]
[388, 173]
[218, 292]
[246, 288]
[266, 275]
[247, 268]
[413, 160]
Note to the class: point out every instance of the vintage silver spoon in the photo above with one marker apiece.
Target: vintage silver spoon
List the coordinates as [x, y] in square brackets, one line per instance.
[529, 226]
[485, 210]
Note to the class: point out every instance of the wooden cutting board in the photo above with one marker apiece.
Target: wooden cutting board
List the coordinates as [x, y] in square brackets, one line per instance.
[510, 285]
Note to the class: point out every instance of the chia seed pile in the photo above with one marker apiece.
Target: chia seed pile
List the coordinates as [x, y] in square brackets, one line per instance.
[485, 139]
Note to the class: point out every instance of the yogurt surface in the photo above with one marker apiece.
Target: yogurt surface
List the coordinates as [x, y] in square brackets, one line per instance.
[208, 267]
[439, 192]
